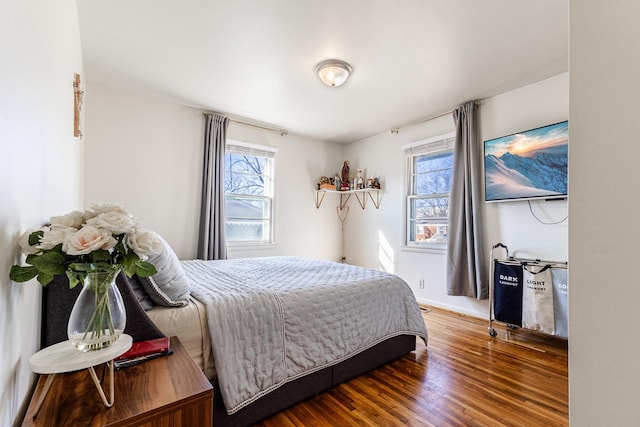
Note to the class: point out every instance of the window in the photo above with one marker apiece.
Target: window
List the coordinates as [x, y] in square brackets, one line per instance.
[429, 167]
[248, 182]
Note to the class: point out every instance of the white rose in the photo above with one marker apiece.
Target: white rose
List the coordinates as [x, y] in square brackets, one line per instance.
[27, 249]
[100, 208]
[54, 236]
[73, 219]
[88, 214]
[115, 222]
[87, 240]
[144, 243]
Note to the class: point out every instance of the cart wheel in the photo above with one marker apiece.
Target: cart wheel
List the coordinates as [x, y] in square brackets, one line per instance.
[492, 332]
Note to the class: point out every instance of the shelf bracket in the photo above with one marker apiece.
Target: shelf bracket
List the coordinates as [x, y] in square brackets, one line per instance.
[361, 200]
[344, 198]
[319, 198]
[376, 201]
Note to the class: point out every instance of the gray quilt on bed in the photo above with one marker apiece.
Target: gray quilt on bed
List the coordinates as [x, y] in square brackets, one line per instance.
[275, 319]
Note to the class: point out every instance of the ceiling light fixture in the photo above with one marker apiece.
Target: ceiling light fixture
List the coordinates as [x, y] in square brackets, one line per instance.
[333, 72]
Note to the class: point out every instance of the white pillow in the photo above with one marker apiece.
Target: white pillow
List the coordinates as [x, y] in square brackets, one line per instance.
[169, 286]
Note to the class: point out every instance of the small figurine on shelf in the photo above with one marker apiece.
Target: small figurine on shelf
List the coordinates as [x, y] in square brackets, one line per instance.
[359, 184]
[337, 181]
[325, 183]
[369, 183]
[376, 183]
[345, 176]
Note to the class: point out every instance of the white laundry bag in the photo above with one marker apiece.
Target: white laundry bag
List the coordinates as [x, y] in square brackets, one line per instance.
[537, 298]
[560, 300]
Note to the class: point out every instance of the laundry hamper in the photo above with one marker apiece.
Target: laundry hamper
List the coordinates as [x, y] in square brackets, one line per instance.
[528, 293]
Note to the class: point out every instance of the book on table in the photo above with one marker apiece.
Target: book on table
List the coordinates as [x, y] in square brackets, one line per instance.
[141, 351]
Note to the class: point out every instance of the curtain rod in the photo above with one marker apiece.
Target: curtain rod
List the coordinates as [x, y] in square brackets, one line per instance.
[282, 132]
[428, 119]
[419, 122]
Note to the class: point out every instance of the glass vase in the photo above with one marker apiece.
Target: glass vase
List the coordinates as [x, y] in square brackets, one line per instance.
[98, 316]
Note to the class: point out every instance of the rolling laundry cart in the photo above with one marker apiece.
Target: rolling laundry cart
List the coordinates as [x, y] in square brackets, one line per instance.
[528, 293]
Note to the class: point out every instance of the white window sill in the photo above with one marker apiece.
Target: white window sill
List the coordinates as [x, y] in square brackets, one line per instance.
[250, 246]
[439, 250]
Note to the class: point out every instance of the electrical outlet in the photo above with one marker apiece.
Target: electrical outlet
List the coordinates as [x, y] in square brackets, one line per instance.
[421, 283]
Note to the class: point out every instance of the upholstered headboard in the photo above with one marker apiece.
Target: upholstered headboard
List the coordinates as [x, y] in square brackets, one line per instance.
[58, 300]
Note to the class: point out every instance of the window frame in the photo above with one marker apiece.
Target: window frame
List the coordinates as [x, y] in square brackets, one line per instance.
[248, 149]
[430, 146]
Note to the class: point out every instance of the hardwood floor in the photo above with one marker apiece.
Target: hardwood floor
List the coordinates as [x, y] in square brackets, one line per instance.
[463, 378]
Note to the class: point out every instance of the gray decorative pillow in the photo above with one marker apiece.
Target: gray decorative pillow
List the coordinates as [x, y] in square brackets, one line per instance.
[169, 286]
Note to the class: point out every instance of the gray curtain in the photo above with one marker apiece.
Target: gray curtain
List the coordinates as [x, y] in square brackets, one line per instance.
[466, 255]
[212, 242]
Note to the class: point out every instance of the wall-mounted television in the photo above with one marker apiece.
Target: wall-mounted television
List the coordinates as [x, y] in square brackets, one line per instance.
[527, 165]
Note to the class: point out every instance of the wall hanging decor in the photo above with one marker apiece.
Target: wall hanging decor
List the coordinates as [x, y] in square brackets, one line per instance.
[78, 94]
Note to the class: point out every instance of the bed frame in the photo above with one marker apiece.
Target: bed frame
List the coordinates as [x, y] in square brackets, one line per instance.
[312, 384]
[58, 299]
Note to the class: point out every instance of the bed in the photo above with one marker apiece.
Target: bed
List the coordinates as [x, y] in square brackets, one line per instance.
[270, 332]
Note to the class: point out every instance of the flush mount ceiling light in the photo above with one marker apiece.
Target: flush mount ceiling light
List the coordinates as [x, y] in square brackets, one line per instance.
[333, 72]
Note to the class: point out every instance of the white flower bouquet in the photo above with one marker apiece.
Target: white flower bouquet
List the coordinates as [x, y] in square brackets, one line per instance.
[104, 238]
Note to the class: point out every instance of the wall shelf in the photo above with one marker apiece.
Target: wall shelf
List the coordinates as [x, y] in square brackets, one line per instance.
[361, 196]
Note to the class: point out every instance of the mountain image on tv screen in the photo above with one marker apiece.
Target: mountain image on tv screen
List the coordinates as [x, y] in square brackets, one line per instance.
[528, 165]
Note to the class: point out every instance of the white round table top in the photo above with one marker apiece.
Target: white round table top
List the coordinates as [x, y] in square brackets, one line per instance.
[64, 357]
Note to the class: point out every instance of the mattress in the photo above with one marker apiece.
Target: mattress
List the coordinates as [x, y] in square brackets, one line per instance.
[189, 324]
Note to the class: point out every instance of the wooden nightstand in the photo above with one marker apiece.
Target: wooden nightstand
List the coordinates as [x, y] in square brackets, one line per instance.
[167, 391]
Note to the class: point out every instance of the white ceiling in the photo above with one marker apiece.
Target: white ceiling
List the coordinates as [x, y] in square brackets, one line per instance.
[254, 60]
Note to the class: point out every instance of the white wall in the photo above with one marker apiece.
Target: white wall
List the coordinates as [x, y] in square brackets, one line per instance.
[147, 154]
[374, 238]
[512, 223]
[604, 231]
[40, 164]
[144, 154]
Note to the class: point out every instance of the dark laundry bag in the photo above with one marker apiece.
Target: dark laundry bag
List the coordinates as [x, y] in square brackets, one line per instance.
[507, 292]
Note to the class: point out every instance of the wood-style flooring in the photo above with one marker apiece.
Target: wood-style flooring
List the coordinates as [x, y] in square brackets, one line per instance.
[462, 378]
